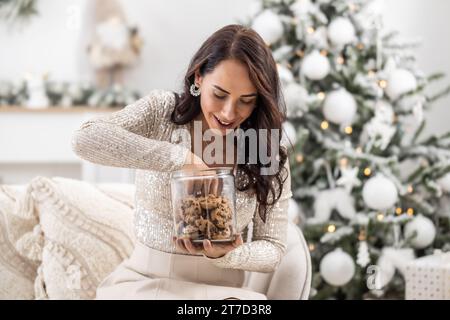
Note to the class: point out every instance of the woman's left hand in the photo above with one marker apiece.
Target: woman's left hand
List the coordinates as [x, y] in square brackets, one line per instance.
[209, 249]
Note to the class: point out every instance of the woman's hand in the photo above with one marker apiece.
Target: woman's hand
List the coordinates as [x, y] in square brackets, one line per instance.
[199, 186]
[209, 249]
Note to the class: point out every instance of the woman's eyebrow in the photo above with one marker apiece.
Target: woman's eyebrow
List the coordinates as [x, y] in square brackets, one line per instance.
[244, 95]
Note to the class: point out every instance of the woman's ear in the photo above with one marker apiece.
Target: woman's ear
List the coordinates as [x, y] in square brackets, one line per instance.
[198, 78]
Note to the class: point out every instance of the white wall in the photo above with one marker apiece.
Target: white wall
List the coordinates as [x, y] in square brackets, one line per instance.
[428, 21]
[172, 30]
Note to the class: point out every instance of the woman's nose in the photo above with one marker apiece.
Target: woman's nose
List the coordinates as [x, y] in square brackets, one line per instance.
[229, 112]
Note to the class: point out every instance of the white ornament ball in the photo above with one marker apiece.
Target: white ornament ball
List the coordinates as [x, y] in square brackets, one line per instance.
[379, 193]
[339, 107]
[315, 66]
[399, 82]
[269, 26]
[289, 134]
[294, 211]
[296, 98]
[337, 268]
[341, 31]
[444, 182]
[284, 74]
[424, 229]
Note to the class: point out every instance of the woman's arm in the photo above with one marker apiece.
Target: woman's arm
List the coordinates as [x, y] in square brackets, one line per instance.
[126, 138]
[268, 245]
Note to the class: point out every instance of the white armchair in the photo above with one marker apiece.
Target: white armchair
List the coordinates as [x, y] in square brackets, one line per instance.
[60, 237]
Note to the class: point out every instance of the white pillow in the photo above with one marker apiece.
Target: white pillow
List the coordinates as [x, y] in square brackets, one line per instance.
[86, 231]
[17, 273]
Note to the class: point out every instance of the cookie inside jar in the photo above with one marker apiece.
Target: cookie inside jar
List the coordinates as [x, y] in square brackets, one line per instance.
[204, 215]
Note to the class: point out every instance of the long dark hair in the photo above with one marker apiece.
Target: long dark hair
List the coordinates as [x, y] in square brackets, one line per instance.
[243, 44]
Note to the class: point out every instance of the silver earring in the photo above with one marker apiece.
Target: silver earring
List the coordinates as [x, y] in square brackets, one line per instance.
[194, 90]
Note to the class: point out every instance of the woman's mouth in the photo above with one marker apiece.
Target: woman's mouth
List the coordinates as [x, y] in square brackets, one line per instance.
[224, 124]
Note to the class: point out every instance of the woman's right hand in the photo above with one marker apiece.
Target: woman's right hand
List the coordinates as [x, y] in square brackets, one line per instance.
[199, 186]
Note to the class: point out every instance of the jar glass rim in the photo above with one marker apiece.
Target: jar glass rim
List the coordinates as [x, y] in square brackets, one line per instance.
[216, 171]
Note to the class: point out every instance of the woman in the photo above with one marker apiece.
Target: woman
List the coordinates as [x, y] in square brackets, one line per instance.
[231, 83]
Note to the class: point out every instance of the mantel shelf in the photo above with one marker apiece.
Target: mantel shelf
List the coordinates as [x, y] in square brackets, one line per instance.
[58, 109]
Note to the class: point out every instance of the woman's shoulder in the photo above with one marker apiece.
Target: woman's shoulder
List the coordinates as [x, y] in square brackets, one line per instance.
[161, 101]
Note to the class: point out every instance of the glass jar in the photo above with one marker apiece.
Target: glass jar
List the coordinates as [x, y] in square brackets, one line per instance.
[204, 204]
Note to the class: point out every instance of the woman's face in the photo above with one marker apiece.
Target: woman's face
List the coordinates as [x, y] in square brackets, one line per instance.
[228, 97]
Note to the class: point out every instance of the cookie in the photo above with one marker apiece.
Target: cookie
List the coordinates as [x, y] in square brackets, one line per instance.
[221, 234]
[190, 210]
[206, 227]
[209, 202]
[221, 217]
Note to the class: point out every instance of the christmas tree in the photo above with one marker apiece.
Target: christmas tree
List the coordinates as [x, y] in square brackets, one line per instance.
[370, 193]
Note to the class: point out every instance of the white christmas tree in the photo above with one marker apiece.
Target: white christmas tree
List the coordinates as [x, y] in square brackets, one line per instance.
[370, 193]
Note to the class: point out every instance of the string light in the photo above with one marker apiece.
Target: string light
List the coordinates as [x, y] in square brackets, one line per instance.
[324, 125]
[367, 171]
[410, 212]
[371, 73]
[360, 46]
[324, 52]
[398, 210]
[321, 95]
[380, 216]
[410, 189]
[382, 84]
[359, 150]
[311, 247]
[331, 228]
[299, 158]
[310, 30]
[343, 162]
[340, 60]
[348, 130]
[362, 235]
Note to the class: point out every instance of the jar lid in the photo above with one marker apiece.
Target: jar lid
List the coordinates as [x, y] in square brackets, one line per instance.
[217, 171]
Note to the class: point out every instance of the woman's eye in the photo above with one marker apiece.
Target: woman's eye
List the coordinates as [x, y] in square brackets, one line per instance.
[247, 102]
[219, 97]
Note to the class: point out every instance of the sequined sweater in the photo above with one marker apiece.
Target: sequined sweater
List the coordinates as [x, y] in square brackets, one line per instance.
[141, 136]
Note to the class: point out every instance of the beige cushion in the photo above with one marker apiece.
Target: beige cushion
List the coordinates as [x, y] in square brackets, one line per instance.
[17, 273]
[87, 231]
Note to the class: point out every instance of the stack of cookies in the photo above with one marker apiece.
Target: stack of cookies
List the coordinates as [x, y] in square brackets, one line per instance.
[205, 217]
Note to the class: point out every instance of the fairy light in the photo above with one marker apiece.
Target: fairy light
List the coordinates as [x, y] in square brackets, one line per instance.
[352, 7]
[311, 247]
[371, 73]
[343, 162]
[398, 210]
[340, 60]
[321, 95]
[410, 189]
[324, 125]
[380, 216]
[331, 228]
[362, 235]
[348, 130]
[410, 211]
[310, 30]
[299, 158]
[359, 150]
[324, 52]
[367, 171]
[382, 84]
[360, 46]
